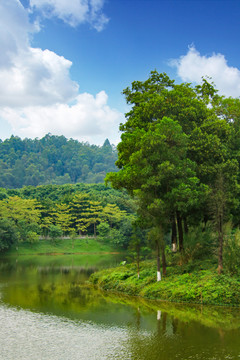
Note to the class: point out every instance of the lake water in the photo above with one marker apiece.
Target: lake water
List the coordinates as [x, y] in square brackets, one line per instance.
[47, 311]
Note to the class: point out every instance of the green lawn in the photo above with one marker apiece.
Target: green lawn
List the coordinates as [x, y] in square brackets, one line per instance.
[61, 246]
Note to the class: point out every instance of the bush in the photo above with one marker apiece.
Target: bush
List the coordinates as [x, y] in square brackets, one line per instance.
[198, 244]
[32, 237]
[103, 230]
[55, 232]
[231, 253]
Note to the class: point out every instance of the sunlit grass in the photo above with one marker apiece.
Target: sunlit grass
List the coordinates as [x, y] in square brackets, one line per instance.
[61, 246]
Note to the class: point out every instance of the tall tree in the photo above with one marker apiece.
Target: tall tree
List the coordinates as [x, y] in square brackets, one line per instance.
[171, 146]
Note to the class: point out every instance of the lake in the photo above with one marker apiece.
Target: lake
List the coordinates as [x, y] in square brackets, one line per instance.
[48, 311]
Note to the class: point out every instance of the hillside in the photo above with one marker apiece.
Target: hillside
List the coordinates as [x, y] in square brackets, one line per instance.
[53, 160]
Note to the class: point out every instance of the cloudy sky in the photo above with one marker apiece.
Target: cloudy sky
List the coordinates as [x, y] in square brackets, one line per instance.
[64, 63]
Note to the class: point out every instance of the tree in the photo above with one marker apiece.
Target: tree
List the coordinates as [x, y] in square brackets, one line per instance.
[112, 214]
[9, 234]
[78, 208]
[160, 174]
[55, 232]
[62, 217]
[94, 214]
[222, 200]
[171, 145]
[25, 214]
[103, 230]
[18, 209]
[137, 248]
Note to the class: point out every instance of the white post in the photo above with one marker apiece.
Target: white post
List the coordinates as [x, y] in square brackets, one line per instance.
[159, 276]
[174, 247]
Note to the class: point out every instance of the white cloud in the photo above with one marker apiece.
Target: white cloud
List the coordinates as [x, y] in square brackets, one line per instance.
[29, 76]
[73, 12]
[37, 95]
[36, 77]
[192, 66]
[14, 28]
[89, 119]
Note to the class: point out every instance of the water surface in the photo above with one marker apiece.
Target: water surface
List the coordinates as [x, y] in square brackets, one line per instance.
[47, 311]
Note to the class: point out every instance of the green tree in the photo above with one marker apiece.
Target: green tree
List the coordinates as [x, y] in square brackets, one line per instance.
[63, 217]
[171, 146]
[25, 214]
[160, 174]
[79, 206]
[137, 249]
[93, 214]
[103, 230]
[113, 214]
[9, 234]
[55, 232]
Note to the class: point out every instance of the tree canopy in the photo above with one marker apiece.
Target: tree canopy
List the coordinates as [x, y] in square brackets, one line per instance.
[179, 155]
[53, 160]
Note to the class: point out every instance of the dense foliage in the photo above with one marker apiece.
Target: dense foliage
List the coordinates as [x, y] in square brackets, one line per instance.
[179, 157]
[53, 211]
[53, 160]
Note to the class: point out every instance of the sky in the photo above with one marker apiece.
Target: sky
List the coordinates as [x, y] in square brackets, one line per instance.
[65, 63]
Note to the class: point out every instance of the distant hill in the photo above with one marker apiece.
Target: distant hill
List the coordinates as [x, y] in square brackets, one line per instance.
[53, 160]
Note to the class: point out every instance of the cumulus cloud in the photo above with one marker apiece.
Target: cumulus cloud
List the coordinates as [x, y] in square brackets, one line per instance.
[192, 66]
[73, 12]
[14, 29]
[36, 77]
[37, 95]
[29, 76]
[88, 119]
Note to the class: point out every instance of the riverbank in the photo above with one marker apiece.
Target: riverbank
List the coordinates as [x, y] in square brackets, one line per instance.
[203, 286]
[61, 247]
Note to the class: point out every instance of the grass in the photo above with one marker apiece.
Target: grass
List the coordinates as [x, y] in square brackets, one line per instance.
[61, 246]
[198, 286]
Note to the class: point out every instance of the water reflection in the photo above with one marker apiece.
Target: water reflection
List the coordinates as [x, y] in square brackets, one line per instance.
[59, 298]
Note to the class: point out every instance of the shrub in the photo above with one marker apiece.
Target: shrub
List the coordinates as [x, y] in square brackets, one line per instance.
[231, 254]
[55, 232]
[198, 244]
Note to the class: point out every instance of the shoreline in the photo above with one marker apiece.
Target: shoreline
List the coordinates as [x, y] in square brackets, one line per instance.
[77, 246]
[63, 253]
[204, 287]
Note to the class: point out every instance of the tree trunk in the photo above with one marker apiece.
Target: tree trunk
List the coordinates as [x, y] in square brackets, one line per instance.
[158, 263]
[185, 225]
[220, 242]
[164, 323]
[180, 231]
[164, 264]
[138, 262]
[174, 235]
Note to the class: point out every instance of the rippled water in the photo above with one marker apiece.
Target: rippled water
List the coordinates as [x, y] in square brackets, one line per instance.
[27, 335]
[48, 312]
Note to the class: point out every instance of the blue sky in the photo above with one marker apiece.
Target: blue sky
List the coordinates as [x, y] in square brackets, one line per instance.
[65, 63]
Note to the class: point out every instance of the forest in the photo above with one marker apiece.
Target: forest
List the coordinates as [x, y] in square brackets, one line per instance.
[56, 211]
[53, 160]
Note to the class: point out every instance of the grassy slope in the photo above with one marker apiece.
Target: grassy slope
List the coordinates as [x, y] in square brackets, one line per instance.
[203, 286]
[61, 246]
